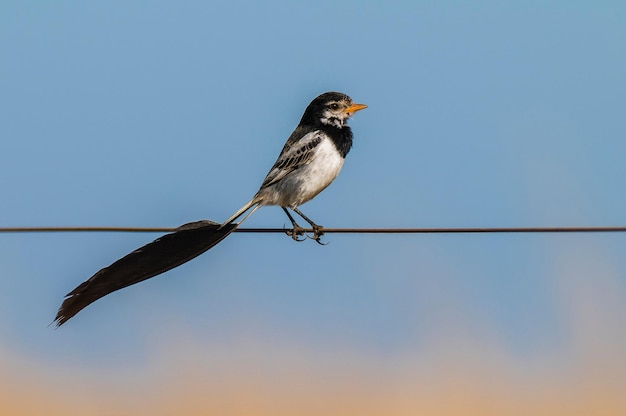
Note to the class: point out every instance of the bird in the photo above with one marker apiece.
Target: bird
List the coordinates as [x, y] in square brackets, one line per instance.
[309, 162]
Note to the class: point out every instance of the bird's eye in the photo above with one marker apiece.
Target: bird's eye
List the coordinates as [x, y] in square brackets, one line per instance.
[334, 106]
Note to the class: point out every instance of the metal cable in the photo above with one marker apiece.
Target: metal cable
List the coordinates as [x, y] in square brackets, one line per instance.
[436, 230]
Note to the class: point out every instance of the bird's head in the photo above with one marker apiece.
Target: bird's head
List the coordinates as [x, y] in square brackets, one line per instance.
[332, 109]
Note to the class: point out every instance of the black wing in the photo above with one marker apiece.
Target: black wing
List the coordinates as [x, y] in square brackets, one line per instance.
[161, 255]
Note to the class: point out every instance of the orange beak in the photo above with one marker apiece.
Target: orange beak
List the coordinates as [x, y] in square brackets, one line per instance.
[354, 108]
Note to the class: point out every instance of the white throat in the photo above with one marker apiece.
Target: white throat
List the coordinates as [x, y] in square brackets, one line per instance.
[334, 119]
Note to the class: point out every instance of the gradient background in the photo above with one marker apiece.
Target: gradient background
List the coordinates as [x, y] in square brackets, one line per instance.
[137, 113]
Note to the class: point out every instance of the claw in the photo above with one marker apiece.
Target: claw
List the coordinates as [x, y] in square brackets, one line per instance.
[296, 232]
[318, 232]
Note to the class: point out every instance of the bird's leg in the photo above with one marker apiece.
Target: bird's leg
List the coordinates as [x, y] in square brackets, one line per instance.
[296, 230]
[318, 230]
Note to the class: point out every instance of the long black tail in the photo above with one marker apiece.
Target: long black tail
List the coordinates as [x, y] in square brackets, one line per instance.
[165, 253]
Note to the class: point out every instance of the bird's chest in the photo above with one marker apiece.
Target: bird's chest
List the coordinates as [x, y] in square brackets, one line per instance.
[324, 167]
[312, 178]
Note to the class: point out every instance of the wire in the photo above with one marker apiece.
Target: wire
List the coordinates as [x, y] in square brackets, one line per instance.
[453, 230]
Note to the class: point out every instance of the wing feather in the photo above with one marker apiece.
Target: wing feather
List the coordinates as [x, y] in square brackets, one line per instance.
[293, 156]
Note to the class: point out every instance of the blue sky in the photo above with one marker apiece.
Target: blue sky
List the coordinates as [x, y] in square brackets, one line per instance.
[158, 113]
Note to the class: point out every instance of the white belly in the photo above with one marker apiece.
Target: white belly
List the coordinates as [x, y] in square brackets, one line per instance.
[305, 183]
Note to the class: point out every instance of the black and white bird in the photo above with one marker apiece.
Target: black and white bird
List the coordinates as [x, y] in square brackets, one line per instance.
[310, 160]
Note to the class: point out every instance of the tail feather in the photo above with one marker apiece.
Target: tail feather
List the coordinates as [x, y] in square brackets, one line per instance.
[254, 202]
[161, 255]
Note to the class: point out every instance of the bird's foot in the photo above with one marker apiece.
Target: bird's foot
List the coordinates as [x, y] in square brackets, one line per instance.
[296, 232]
[318, 232]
